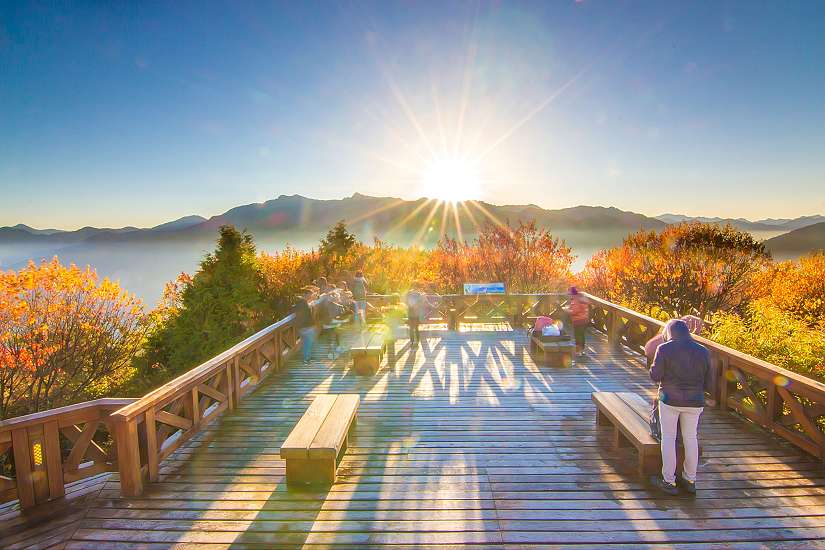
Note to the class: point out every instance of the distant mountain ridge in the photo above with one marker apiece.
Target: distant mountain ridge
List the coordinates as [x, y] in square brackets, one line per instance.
[768, 224]
[143, 259]
[384, 217]
[798, 241]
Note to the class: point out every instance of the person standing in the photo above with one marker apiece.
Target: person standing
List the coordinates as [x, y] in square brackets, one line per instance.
[414, 306]
[359, 297]
[305, 324]
[580, 317]
[682, 368]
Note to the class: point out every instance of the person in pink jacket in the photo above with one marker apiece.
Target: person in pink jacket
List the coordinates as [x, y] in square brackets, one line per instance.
[694, 323]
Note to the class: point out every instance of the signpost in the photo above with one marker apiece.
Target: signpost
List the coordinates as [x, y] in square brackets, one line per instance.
[483, 288]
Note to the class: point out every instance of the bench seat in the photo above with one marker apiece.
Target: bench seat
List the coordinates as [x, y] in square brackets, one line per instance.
[629, 415]
[367, 357]
[318, 439]
[554, 354]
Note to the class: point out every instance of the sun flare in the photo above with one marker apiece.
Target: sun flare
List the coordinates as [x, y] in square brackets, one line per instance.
[451, 180]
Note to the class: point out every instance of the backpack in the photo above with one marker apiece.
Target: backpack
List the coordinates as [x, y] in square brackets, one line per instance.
[655, 422]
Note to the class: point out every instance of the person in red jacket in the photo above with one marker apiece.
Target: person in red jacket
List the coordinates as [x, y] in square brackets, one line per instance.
[579, 311]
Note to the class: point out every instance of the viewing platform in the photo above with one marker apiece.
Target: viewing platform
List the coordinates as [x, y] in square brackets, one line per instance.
[463, 440]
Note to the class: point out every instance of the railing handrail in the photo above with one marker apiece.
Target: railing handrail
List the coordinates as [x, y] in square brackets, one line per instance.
[45, 416]
[719, 348]
[625, 310]
[519, 294]
[192, 376]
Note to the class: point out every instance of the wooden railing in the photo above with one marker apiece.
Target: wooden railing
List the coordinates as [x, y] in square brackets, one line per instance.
[54, 448]
[133, 436]
[154, 426]
[788, 404]
[454, 309]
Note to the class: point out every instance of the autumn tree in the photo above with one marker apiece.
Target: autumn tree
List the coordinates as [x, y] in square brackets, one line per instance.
[525, 258]
[65, 336]
[797, 288]
[685, 268]
[222, 303]
[285, 273]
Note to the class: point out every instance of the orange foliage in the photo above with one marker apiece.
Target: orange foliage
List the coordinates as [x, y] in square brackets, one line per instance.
[797, 288]
[525, 258]
[63, 334]
[686, 268]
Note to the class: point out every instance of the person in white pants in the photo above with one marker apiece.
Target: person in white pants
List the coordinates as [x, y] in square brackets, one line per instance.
[682, 369]
[671, 418]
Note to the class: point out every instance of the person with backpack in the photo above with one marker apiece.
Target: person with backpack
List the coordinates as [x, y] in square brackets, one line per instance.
[359, 297]
[682, 368]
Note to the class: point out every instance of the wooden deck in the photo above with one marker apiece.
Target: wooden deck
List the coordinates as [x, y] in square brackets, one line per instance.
[464, 442]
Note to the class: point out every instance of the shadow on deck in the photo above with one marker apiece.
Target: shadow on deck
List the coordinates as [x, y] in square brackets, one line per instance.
[463, 441]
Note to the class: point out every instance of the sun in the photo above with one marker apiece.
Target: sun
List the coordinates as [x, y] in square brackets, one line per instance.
[451, 180]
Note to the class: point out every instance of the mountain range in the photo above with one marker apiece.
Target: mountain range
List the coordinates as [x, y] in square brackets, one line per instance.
[768, 224]
[144, 258]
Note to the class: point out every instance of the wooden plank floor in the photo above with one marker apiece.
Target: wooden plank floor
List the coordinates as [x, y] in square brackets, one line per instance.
[463, 442]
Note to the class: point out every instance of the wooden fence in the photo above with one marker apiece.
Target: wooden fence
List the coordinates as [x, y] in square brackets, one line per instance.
[133, 436]
[56, 447]
[454, 309]
[788, 404]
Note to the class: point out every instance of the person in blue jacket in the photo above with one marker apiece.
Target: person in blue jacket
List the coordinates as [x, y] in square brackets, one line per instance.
[682, 368]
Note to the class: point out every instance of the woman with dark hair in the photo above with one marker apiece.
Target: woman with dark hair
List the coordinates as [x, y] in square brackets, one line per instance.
[682, 369]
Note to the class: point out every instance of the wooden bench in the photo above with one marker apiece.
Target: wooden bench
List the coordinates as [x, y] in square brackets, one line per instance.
[629, 415]
[315, 444]
[554, 354]
[624, 411]
[367, 357]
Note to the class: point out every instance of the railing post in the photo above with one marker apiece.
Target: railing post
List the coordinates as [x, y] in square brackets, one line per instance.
[229, 386]
[152, 464]
[54, 459]
[614, 326]
[128, 456]
[23, 467]
[724, 383]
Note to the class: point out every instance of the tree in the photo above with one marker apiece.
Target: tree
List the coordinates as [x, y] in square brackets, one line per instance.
[65, 336]
[222, 303]
[285, 273]
[797, 288]
[776, 336]
[525, 258]
[685, 268]
[335, 246]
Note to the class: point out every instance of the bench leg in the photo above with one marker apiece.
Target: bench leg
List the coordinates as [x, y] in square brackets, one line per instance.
[650, 464]
[305, 471]
[619, 440]
[602, 419]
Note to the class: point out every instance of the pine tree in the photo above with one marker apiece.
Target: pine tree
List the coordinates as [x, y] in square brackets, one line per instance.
[221, 305]
[336, 245]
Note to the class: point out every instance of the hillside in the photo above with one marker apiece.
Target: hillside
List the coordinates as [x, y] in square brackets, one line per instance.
[144, 259]
[798, 242]
[758, 227]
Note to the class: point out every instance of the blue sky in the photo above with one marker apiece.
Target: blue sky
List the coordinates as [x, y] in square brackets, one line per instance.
[116, 114]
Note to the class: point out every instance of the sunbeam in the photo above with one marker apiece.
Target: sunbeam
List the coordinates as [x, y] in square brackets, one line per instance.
[409, 216]
[536, 110]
